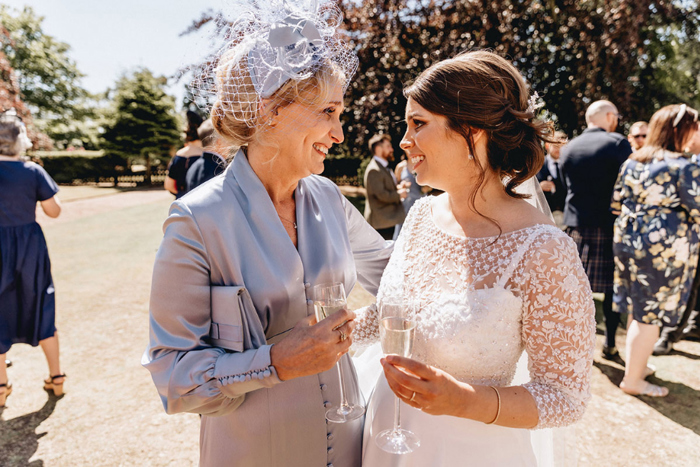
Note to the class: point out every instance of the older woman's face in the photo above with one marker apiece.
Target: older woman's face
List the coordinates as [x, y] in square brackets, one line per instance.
[439, 155]
[306, 133]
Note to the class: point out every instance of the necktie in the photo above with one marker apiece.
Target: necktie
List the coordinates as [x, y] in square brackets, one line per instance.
[557, 172]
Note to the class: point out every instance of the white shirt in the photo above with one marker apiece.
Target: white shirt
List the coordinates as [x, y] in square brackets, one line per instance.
[550, 161]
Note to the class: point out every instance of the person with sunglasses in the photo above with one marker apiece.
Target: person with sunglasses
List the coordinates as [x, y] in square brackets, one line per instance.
[638, 135]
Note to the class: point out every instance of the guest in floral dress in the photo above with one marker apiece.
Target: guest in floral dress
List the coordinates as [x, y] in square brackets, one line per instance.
[656, 237]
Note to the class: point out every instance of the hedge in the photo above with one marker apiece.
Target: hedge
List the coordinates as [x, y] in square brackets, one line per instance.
[68, 169]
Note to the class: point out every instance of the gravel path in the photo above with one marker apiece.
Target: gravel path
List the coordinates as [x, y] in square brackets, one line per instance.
[102, 251]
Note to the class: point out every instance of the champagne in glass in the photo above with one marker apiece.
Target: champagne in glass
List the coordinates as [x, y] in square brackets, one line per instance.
[324, 309]
[396, 335]
[397, 327]
[329, 299]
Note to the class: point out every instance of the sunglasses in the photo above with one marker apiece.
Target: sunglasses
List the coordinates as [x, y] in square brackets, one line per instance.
[639, 136]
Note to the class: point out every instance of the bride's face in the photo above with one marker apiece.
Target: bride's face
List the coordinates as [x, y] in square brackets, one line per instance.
[440, 156]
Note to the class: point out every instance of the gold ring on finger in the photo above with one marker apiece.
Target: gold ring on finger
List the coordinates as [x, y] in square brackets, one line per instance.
[343, 336]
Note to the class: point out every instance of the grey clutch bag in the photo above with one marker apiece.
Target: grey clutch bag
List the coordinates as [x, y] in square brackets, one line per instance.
[235, 324]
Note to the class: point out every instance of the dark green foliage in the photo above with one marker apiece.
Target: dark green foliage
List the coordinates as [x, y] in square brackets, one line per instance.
[361, 170]
[67, 169]
[144, 123]
[640, 54]
[340, 166]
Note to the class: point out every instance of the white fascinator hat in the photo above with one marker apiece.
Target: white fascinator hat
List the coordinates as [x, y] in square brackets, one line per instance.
[271, 45]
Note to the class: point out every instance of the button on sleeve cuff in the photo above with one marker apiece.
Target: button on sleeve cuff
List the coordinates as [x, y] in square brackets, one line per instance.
[242, 372]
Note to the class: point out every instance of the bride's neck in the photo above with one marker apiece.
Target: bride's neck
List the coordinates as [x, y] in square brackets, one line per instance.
[489, 201]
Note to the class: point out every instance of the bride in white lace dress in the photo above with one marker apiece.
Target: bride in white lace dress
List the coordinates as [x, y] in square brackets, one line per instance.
[492, 276]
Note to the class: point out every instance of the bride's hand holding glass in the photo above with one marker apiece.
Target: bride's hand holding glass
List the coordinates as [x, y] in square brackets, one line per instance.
[313, 347]
[434, 391]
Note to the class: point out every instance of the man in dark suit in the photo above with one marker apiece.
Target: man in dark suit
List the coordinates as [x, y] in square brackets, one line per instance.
[383, 209]
[590, 164]
[551, 180]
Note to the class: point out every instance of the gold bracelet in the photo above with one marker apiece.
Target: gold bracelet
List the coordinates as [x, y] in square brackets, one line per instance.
[498, 412]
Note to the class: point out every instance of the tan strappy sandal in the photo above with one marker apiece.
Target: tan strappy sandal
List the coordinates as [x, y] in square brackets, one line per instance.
[51, 385]
[5, 391]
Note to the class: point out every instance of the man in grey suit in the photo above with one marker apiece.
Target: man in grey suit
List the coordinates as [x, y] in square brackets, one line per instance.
[383, 209]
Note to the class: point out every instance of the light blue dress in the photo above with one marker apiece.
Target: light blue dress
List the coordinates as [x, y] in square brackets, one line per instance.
[227, 235]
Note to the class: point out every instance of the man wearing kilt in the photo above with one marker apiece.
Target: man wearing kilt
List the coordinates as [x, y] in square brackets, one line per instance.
[590, 164]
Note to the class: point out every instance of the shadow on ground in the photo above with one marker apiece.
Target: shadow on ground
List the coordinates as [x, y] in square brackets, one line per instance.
[691, 356]
[19, 439]
[680, 405]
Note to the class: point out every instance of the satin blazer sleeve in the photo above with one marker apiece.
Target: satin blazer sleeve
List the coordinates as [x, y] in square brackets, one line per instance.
[370, 251]
[190, 374]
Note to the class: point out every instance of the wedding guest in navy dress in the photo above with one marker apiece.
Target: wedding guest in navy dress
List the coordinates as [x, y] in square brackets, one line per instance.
[176, 178]
[211, 163]
[27, 301]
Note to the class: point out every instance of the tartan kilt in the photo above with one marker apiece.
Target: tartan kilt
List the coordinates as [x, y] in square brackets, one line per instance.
[595, 248]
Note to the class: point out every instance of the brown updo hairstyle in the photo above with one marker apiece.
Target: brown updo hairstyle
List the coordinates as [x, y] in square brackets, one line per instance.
[238, 120]
[480, 90]
[665, 139]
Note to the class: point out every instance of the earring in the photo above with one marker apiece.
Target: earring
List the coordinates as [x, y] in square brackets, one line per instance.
[471, 157]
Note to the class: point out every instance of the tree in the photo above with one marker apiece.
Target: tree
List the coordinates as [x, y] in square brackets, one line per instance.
[10, 95]
[48, 78]
[640, 54]
[572, 52]
[144, 122]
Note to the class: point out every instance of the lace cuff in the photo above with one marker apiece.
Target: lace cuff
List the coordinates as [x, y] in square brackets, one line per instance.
[367, 327]
[554, 407]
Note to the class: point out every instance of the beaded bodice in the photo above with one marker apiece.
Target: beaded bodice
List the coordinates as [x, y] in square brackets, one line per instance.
[483, 301]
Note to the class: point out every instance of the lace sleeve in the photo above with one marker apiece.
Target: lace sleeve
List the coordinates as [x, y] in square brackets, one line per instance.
[558, 332]
[367, 329]
[391, 288]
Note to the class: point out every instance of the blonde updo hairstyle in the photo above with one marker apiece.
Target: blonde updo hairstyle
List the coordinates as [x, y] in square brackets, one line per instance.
[482, 91]
[240, 122]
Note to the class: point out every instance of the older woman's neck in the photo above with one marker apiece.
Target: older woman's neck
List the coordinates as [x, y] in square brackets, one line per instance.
[268, 165]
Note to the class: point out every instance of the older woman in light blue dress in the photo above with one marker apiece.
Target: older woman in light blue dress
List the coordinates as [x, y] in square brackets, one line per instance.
[233, 333]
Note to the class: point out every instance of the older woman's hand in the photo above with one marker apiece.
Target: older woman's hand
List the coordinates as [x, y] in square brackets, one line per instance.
[312, 347]
[436, 392]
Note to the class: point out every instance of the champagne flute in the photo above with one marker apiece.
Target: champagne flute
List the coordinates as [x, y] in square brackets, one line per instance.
[397, 326]
[328, 299]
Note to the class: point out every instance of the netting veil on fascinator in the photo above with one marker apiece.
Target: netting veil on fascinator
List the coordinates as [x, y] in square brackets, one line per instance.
[270, 43]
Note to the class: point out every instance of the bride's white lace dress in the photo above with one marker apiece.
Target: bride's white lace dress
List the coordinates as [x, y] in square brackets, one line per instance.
[483, 301]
